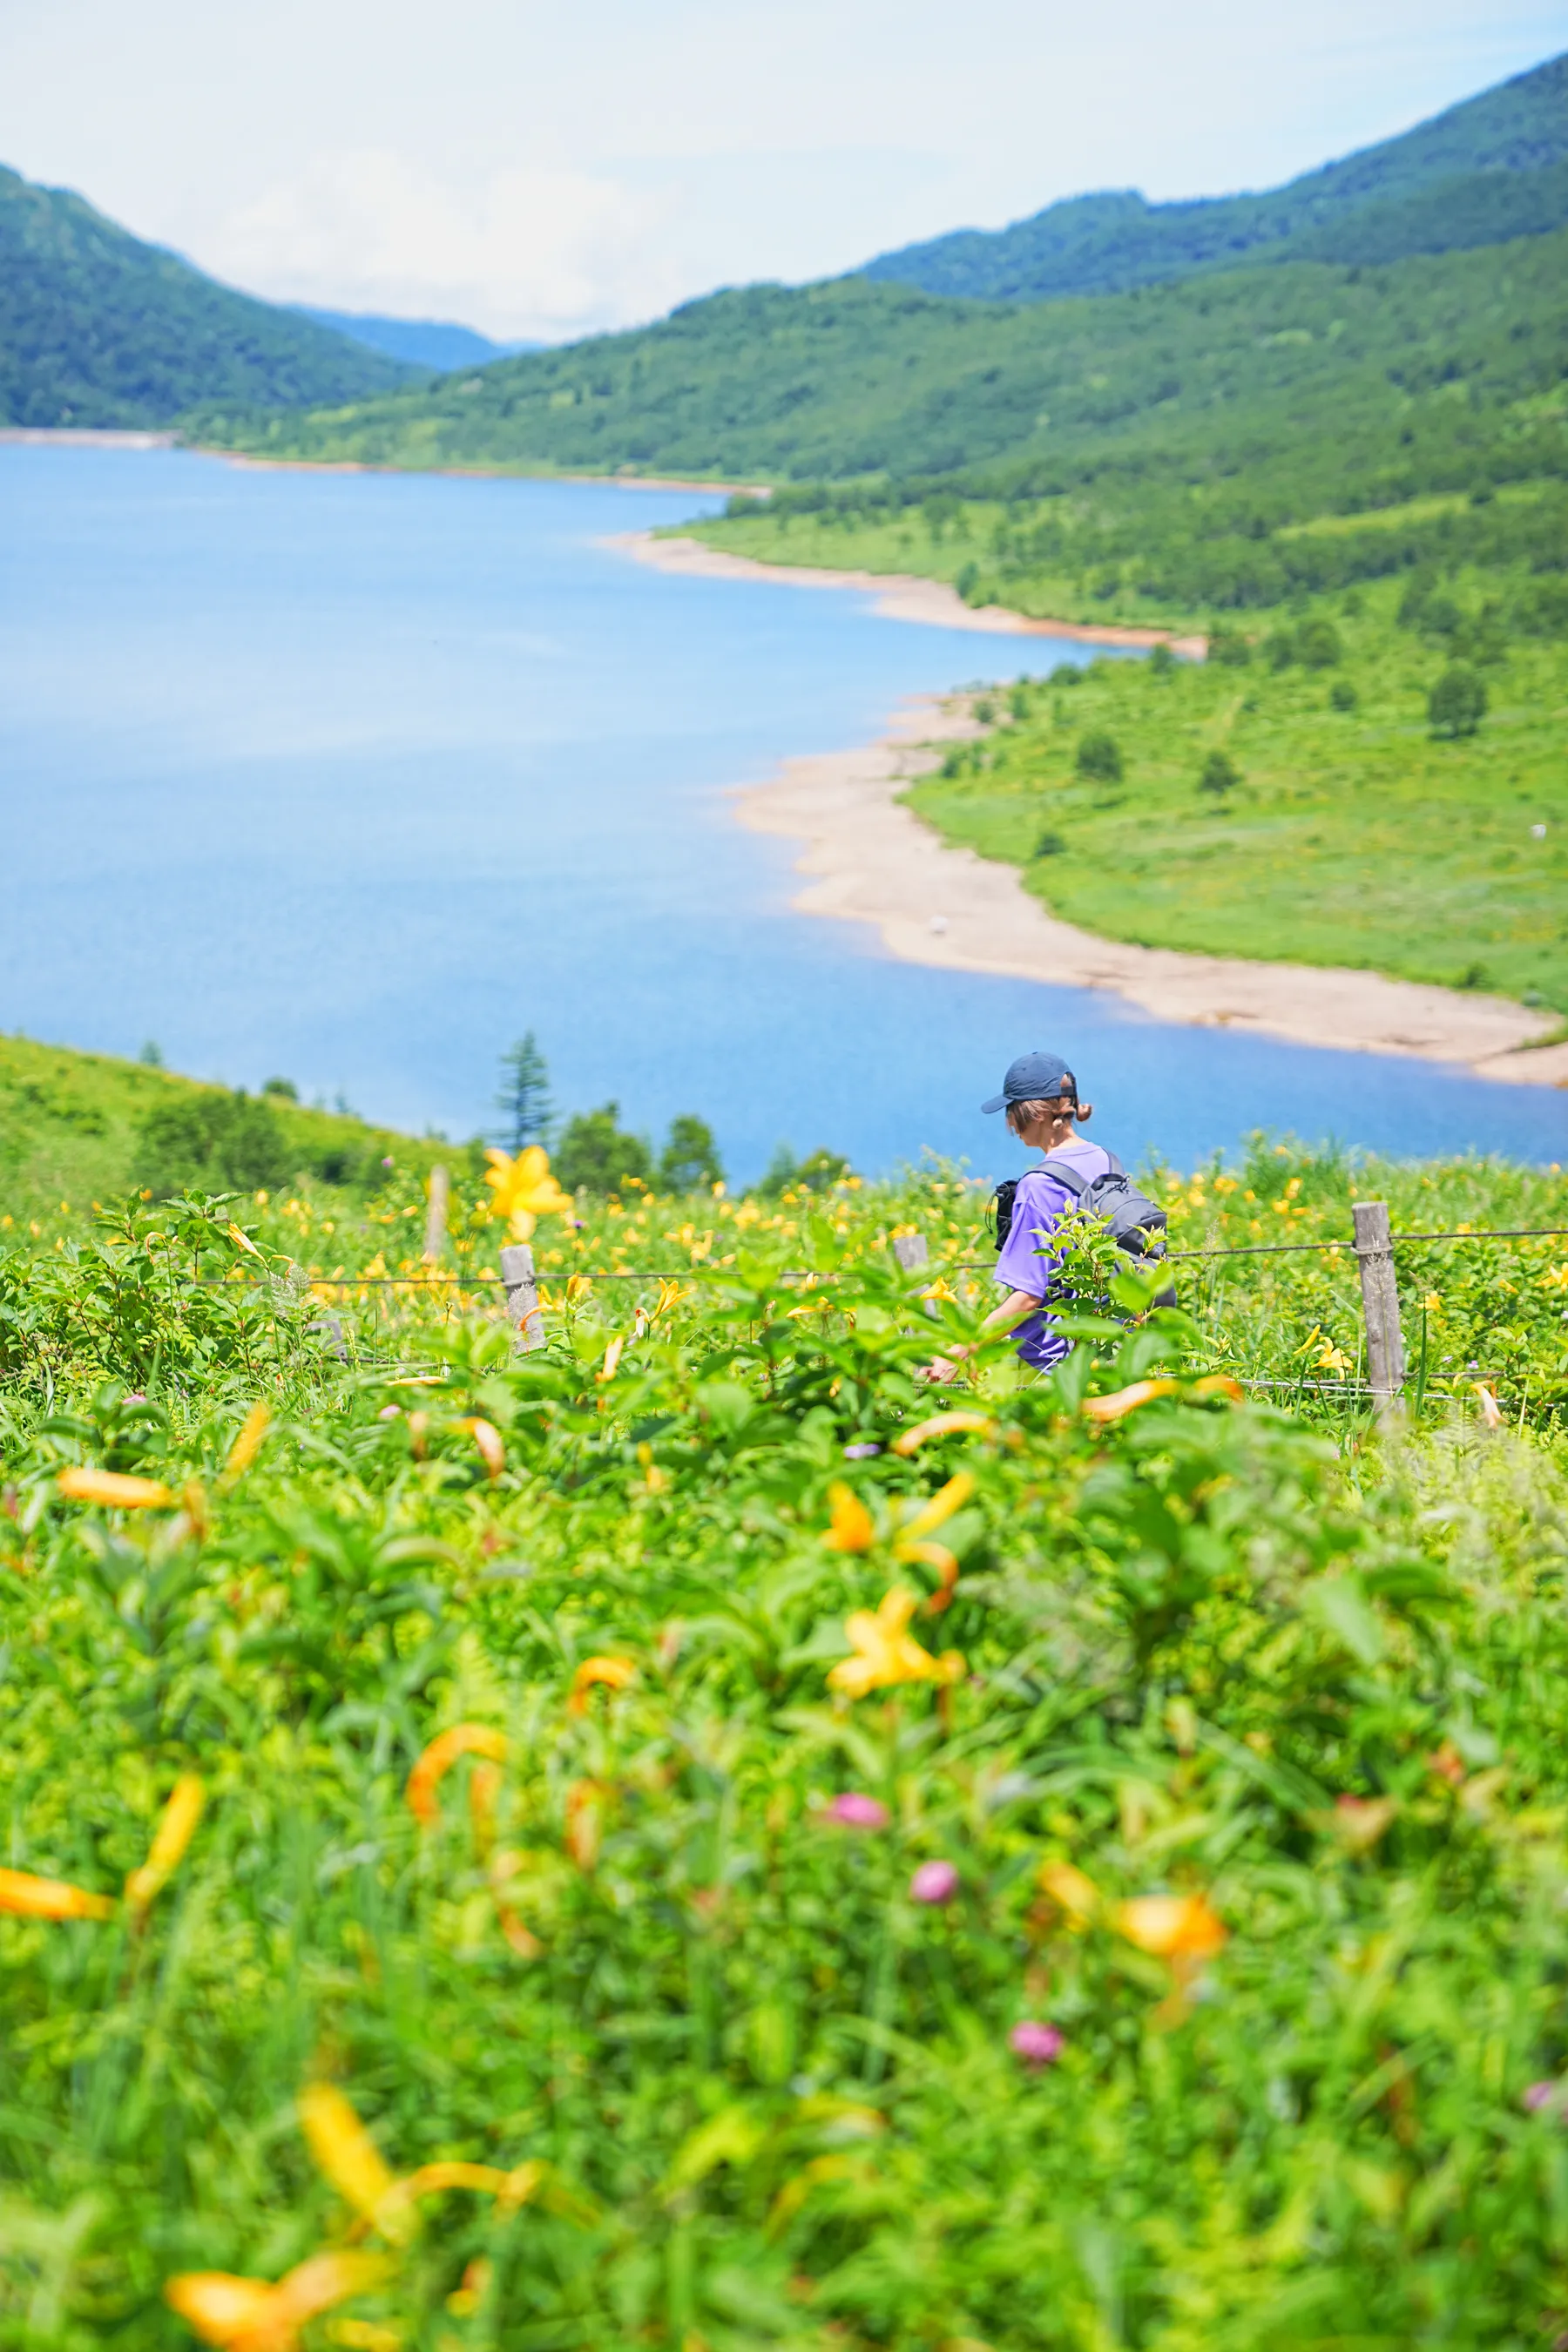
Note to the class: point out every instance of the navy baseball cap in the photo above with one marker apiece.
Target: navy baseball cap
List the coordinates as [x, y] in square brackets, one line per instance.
[1034, 1078]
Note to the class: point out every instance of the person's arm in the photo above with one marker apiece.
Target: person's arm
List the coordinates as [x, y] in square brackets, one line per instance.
[1012, 1309]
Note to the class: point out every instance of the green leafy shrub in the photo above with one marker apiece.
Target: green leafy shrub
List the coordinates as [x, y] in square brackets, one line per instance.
[211, 1141]
[690, 1157]
[1220, 774]
[1099, 757]
[1457, 702]
[594, 1155]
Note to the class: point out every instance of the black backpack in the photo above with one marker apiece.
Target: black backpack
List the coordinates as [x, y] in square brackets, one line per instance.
[1137, 1223]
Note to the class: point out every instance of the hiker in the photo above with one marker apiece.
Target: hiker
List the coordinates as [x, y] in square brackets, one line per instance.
[1039, 1095]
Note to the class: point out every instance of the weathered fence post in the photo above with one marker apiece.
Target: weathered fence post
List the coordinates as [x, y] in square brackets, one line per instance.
[911, 1250]
[1380, 1304]
[435, 1217]
[522, 1305]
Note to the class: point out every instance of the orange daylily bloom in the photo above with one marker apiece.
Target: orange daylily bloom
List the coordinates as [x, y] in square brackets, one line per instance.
[1173, 1927]
[347, 2155]
[242, 2314]
[1491, 1411]
[945, 1564]
[885, 1653]
[940, 1507]
[523, 1190]
[1122, 1402]
[243, 1241]
[613, 1355]
[114, 1489]
[26, 1897]
[585, 1822]
[1358, 1823]
[510, 2188]
[487, 1439]
[613, 1672]
[248, 1443]
[853, 1528]
[942, 1425]
[175, 1829]
[462, 1739]
[1072, 1892]
[1220, 1384]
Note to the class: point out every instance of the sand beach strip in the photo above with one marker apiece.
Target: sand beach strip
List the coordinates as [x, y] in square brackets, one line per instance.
[900, 596]
[871, 860]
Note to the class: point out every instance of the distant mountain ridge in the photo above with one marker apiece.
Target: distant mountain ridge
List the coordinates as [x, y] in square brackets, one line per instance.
[1493, 167]
[438, 343]
[97, 328]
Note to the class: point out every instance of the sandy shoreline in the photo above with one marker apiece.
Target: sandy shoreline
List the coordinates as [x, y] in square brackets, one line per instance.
[873, 861]
[900, 596]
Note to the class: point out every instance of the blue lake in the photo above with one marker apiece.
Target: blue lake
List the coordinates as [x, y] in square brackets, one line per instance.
[354, 778]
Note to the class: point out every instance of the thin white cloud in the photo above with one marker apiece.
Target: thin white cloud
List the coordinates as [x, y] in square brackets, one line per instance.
[530, 249]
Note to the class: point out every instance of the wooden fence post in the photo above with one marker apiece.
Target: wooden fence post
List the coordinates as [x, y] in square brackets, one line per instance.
[911, 1250]
[435, 1217]
[1380, 1304]
[522, 1305]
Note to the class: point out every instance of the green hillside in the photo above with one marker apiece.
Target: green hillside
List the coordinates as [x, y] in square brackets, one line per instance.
[79, 1129]
[99, 328]
[1482, 171]
[1298, 803]
[1302, 387]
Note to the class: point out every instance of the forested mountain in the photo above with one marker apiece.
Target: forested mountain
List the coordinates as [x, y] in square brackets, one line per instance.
[436, 343]
[99, 328]
[1494, 167]
[1321, 384]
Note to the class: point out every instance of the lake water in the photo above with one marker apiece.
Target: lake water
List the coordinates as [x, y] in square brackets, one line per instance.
[354, 778]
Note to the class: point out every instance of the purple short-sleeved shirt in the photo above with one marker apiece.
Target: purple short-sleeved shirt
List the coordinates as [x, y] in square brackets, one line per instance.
[1025, 1262]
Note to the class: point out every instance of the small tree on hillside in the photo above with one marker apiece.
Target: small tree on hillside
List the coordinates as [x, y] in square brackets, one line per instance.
[1220, 775]
[524, 1097]
[690, 1157]
[1457, 703]
[1100, 758]
[594, 1155]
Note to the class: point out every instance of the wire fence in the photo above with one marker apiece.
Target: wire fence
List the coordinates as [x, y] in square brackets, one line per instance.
[951, 1265]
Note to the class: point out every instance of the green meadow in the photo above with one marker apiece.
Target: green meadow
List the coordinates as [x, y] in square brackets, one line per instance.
[1294, 808]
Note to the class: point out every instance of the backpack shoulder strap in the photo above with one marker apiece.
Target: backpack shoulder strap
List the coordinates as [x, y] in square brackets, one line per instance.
[1061, 1171]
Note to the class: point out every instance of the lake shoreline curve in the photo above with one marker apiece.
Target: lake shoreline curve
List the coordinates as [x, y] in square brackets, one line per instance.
[872, 860]
[900, 596]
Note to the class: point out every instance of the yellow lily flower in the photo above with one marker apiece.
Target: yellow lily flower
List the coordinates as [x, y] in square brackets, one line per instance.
[938, 1510]
[348, 2156]
[1173, 1927]
[26, 1897]
[243, 2314]
[853, 1529]
[613, 1672]
[247, 1445]
[885, 1653]
[488, 1438]
[175, 1829]
[523, 1190]
[1075, 1895]
[942, 1425]
[114, 1489]
[462, 1739]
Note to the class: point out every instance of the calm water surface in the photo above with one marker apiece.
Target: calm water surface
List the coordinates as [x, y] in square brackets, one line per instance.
[354, 778]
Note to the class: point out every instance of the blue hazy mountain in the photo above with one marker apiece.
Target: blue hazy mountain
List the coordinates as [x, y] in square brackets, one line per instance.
[436, 343]
[1491, 168]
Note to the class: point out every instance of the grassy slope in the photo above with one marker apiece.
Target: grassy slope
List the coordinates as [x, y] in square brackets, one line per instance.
[99, 328]
[1356, 838]
[68, 1126]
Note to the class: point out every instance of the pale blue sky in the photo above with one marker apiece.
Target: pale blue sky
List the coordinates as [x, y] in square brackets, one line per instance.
[534, 168]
